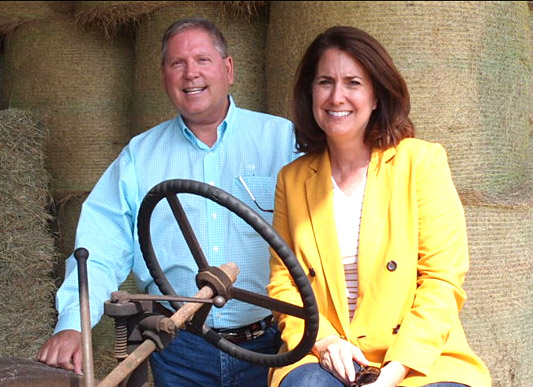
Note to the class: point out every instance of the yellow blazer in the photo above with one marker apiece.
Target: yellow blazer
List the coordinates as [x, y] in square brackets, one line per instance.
[413, 257]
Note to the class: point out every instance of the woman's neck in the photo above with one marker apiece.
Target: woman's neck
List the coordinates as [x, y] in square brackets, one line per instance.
[349, 165]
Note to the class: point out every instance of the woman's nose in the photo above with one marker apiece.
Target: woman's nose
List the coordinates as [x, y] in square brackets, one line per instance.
[337, 94]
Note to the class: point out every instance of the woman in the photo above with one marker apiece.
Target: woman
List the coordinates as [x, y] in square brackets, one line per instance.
[374, 218]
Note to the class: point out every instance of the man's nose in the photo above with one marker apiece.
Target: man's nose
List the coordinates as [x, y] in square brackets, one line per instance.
[191, 70]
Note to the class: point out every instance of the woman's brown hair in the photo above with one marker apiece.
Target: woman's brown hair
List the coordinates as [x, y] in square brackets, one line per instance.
[389, 122]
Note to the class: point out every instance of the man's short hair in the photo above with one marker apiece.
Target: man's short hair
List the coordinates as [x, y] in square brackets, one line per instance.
[184, 24]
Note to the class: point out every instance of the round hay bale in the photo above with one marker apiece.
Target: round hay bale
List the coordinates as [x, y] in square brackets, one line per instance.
[27, 253]
[112, 16]
[246, 42]
[466, 64]
[79, 84]
[15, 13]
[498, 313]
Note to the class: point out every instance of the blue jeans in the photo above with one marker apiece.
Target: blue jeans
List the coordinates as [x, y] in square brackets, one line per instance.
[314, 375]
[189, 360]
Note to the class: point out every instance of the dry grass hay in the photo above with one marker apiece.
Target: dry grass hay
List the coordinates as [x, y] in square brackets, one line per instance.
[466, 64]
[243, 8]
[27, 253]
[113, 16]
[66, 212]
[79, 85]
[499, 310]
[246, 42]
[15, 13]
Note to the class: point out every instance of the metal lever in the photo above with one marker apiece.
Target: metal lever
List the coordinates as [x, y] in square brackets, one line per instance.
[81, 256]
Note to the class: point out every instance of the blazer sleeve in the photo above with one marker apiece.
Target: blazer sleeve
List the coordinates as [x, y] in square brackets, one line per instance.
[442, 264]
[281, 284]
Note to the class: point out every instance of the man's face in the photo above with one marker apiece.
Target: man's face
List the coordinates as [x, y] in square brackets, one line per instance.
[196, 78]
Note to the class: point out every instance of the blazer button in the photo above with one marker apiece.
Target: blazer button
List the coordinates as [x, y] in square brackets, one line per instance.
[391, 265]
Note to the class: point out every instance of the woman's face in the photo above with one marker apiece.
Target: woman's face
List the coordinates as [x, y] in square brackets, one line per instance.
[343, 97]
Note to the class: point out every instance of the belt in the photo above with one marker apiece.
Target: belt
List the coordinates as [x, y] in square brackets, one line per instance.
[248, 332]
[235, 335]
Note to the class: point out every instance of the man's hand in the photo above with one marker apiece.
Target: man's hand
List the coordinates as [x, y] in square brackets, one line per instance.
[337, 356]
[63, 350]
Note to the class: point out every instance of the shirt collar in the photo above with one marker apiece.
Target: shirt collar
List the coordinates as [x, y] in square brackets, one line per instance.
[221, 130]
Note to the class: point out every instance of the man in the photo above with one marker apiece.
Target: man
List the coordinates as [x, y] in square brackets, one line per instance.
[212, 141]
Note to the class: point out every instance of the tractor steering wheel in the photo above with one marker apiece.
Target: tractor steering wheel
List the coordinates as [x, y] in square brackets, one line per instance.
[309, 312]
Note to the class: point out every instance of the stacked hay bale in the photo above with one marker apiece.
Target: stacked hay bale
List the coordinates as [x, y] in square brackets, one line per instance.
[27, 253]
[78, 82]
[468, 68]
[465, 63]
[246, 38]
[111, 17]
[15, 13]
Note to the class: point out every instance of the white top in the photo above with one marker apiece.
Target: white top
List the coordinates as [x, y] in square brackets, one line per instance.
[348, 210]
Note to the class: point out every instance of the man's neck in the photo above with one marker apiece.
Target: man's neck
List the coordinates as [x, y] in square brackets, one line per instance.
[206, 133]
[206, 129]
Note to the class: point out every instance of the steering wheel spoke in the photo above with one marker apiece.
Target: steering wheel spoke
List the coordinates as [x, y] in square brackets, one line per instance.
[187, 231]
[267, 302]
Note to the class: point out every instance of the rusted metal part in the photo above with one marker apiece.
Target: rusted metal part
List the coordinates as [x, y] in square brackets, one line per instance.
[121, 338]
[121, 296]
[23, 373]
[128, 365]
[81, 256]
[215, 277]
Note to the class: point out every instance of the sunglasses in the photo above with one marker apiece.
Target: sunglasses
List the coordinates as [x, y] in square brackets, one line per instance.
[365, 375]
[252, 195]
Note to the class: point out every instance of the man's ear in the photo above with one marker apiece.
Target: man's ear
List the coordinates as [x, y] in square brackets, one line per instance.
[229, 67]
[163, 77]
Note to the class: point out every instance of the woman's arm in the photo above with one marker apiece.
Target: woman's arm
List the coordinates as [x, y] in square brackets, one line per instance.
[442, 264]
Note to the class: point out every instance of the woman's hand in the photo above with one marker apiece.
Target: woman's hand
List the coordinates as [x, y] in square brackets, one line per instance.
[337, 356]
[391, 375]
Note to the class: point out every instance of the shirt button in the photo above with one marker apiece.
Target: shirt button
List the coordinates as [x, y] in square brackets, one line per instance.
[212, 183]
[391, 265]
[215, 249]
[214, 215]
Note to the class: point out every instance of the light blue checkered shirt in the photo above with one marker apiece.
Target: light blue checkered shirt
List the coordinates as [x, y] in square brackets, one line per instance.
[250, 144]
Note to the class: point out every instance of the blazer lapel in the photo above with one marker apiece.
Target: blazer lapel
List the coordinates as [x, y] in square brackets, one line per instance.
[319, 194]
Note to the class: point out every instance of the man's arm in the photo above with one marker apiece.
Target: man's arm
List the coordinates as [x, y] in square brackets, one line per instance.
[105, 229]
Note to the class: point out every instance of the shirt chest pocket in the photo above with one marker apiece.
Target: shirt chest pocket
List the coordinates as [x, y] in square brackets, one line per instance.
[257, 192]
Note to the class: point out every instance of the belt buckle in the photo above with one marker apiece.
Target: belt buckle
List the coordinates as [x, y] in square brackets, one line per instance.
[250, 332]
[254, 334]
